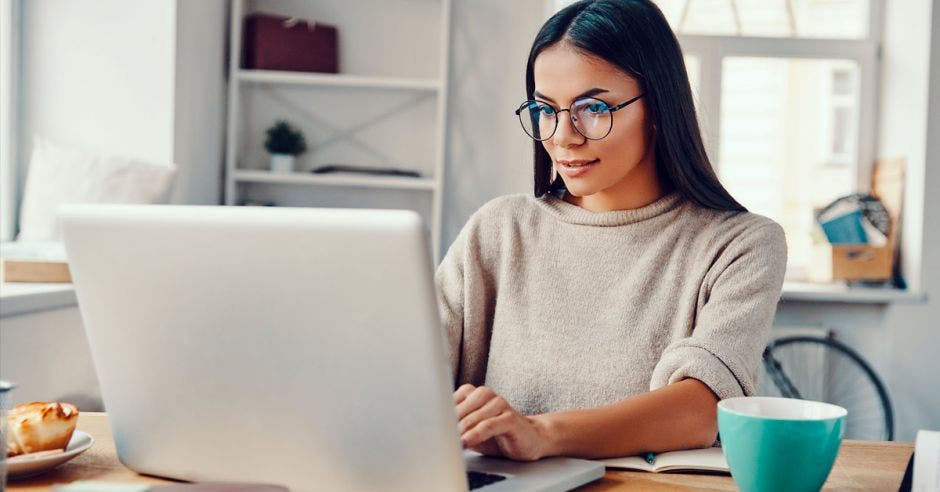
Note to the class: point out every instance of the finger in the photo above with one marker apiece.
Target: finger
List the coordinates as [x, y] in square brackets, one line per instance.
[476, 399]
[492, 408]
[462, 392]
[487, 448]
[488, 429]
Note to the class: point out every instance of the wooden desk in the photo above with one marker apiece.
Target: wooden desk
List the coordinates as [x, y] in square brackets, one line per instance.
[861, 465]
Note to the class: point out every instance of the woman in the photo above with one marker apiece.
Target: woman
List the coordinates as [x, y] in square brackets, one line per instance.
[608, 314]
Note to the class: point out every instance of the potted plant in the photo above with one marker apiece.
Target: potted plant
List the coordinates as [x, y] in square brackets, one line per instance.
[284, 143]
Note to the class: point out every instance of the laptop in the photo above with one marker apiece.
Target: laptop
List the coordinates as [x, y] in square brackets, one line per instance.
[291, 346]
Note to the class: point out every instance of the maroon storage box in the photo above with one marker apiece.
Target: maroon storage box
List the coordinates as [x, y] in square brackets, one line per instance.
[286, 43]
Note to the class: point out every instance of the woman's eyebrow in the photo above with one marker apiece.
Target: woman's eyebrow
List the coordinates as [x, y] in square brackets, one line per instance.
[588, 93]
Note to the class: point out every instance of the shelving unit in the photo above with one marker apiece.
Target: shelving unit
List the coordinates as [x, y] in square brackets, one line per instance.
[337, 80]
[335, 180]
[387, 108]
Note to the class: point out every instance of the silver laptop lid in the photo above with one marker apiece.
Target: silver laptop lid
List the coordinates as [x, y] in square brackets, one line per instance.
[291, 346]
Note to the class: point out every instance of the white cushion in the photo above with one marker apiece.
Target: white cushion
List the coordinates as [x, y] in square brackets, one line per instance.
[59, 175]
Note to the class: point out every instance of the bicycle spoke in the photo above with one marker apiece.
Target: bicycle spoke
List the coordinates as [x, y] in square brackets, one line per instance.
[819, 369]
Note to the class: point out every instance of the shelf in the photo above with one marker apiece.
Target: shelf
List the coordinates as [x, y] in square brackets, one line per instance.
[839, 292]
[345, 179]
[21, 298]
[403, 63]
[338, 80]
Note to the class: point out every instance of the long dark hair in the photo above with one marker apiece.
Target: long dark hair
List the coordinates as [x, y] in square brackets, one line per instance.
[634, 36]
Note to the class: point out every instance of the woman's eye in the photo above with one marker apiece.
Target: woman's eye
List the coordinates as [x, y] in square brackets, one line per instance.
[597, 107]
[548, 110]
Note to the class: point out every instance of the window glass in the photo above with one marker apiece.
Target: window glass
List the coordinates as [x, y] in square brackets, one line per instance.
[788, 138]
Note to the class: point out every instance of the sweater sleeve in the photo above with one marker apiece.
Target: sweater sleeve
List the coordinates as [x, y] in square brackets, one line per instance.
[466, 299]
[732, 326]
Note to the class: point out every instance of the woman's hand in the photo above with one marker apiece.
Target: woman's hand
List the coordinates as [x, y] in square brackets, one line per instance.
[490, 426]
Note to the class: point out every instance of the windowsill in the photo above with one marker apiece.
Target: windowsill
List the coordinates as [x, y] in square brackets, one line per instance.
[838, 292]
[22, 298]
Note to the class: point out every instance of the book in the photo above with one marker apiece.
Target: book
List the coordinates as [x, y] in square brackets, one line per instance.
[704, 460]
[846, 229]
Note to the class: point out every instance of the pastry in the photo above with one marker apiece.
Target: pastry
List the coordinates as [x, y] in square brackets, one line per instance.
[40, 426]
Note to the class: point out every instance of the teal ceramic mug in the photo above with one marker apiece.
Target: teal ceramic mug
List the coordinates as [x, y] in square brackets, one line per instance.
[779, 444]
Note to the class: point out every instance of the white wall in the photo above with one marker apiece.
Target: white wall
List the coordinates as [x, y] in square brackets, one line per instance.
[913, 332]
[9, 46]
[902, 129]
[144, 79]
[46, 354]
[487, 153]
[200, 101]
[99, 75]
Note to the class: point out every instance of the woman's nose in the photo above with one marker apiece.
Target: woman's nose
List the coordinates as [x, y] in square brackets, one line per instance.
[566, 135]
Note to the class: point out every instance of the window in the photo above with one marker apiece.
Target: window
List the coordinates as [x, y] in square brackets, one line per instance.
[786, 97]
[786, 93]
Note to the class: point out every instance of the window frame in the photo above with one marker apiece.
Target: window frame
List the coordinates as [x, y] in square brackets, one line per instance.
[711, 50]
[9, 115]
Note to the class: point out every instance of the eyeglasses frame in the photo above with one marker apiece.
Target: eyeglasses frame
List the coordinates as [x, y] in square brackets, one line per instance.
[571, 117]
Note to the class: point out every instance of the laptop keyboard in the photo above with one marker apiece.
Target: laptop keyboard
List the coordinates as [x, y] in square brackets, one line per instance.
[479, 479]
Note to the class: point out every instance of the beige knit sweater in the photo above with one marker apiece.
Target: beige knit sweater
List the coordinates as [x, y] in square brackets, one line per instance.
[557, 308]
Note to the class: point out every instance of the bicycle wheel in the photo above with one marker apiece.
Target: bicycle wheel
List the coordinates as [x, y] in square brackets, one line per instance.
[823, 369]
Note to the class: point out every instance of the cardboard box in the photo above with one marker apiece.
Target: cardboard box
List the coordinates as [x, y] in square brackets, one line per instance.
[864, 262]
[861, 262]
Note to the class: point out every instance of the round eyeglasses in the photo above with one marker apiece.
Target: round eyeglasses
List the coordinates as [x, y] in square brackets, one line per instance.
[591, 117]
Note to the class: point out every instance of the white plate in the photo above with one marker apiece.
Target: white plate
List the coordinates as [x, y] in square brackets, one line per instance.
[25, 465]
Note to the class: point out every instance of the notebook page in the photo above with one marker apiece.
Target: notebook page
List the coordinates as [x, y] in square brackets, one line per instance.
[628, 463]
[708, 459]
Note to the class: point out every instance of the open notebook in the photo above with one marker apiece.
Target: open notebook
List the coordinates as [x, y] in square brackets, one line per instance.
[709, 460]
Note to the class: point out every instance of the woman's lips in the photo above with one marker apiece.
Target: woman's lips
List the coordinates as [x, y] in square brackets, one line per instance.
[574, 169]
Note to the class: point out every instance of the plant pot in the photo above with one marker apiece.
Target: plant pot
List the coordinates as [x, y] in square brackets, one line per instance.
[282, 163]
